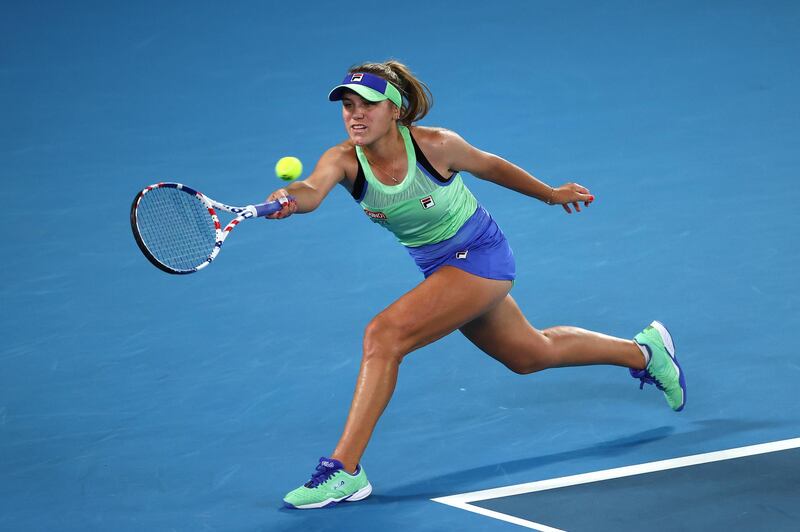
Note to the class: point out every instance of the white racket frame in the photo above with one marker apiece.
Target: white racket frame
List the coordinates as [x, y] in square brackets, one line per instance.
[242, 213]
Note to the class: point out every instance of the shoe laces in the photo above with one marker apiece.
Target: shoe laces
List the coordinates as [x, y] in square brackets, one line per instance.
[322, 474]
[645, 378]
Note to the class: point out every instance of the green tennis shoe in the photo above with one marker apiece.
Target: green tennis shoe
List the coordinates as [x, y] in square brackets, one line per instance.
[663, 369]
[330, 484]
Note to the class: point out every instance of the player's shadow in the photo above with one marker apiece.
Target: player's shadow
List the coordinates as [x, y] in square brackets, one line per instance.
[477, 477]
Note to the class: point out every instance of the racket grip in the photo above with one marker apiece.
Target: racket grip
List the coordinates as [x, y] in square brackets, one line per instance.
[270, 207]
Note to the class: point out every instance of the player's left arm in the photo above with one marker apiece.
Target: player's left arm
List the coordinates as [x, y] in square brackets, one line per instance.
[461, 155]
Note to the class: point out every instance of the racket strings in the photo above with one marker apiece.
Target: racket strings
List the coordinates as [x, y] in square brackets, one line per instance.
[176, 227]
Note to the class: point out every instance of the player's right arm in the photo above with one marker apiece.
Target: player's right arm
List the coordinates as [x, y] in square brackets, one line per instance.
[309, 193]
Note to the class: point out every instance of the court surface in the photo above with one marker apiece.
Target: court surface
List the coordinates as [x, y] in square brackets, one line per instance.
[134, 400]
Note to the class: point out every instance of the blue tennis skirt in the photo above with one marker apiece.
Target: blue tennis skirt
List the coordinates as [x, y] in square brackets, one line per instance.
[479, 248]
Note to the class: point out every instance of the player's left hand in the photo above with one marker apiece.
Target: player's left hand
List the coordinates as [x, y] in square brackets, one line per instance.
[572, 194]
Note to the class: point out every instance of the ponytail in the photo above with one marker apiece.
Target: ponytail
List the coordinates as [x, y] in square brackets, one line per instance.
[416, 95]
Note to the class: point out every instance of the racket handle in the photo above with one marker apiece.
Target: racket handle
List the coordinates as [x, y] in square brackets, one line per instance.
[265, 209]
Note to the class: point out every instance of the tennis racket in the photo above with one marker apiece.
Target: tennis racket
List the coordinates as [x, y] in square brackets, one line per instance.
[177, 227]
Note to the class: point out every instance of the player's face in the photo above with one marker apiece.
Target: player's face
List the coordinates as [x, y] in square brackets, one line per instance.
[367, 121]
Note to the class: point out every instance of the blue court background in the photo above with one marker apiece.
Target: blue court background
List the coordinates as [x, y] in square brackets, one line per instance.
[133, 400]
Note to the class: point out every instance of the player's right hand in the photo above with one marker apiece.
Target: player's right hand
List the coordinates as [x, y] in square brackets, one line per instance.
[289, 204]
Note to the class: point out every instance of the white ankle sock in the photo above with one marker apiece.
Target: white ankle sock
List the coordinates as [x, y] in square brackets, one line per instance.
[645, 352]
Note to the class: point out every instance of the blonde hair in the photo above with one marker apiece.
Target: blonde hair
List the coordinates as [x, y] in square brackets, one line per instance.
[417, 95]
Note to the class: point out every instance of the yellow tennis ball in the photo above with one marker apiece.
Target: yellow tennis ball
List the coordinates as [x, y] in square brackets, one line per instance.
[288, 168]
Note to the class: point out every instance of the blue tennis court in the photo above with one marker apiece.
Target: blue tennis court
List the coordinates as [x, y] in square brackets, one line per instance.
[134, 400]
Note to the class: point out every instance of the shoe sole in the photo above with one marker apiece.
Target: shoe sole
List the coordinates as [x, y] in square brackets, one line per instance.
[669, 345]
[361, 494]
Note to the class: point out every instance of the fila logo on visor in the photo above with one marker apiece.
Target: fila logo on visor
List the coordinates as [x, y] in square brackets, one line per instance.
[427, 202]
[356, 78]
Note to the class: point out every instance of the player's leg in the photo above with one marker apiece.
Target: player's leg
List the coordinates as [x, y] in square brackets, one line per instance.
[442, 303]
[438, 306]
[505, 334]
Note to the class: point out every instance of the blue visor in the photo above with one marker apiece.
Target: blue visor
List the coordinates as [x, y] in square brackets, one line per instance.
[369, 86]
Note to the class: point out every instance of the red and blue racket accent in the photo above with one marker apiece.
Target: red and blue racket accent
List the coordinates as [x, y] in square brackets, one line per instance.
[177, 227]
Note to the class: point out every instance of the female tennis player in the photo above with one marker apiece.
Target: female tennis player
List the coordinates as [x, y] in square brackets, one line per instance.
[407, 179]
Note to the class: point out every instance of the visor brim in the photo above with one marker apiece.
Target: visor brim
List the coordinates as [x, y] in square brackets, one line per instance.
[369, 94]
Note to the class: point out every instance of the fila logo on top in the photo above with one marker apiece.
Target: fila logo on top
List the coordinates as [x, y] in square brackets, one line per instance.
[355, 78]
[427, 202]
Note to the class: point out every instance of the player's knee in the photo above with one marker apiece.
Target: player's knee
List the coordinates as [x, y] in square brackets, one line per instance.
[383, 339]
[525, 367]
[537, 357]
[518, 367]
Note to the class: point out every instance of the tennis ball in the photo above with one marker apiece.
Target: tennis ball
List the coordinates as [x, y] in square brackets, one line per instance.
[288, 168]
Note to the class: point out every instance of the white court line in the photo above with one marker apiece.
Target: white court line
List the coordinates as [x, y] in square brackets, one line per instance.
[463, 500]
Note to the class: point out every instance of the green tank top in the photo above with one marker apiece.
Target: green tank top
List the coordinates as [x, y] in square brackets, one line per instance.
[424, 208]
